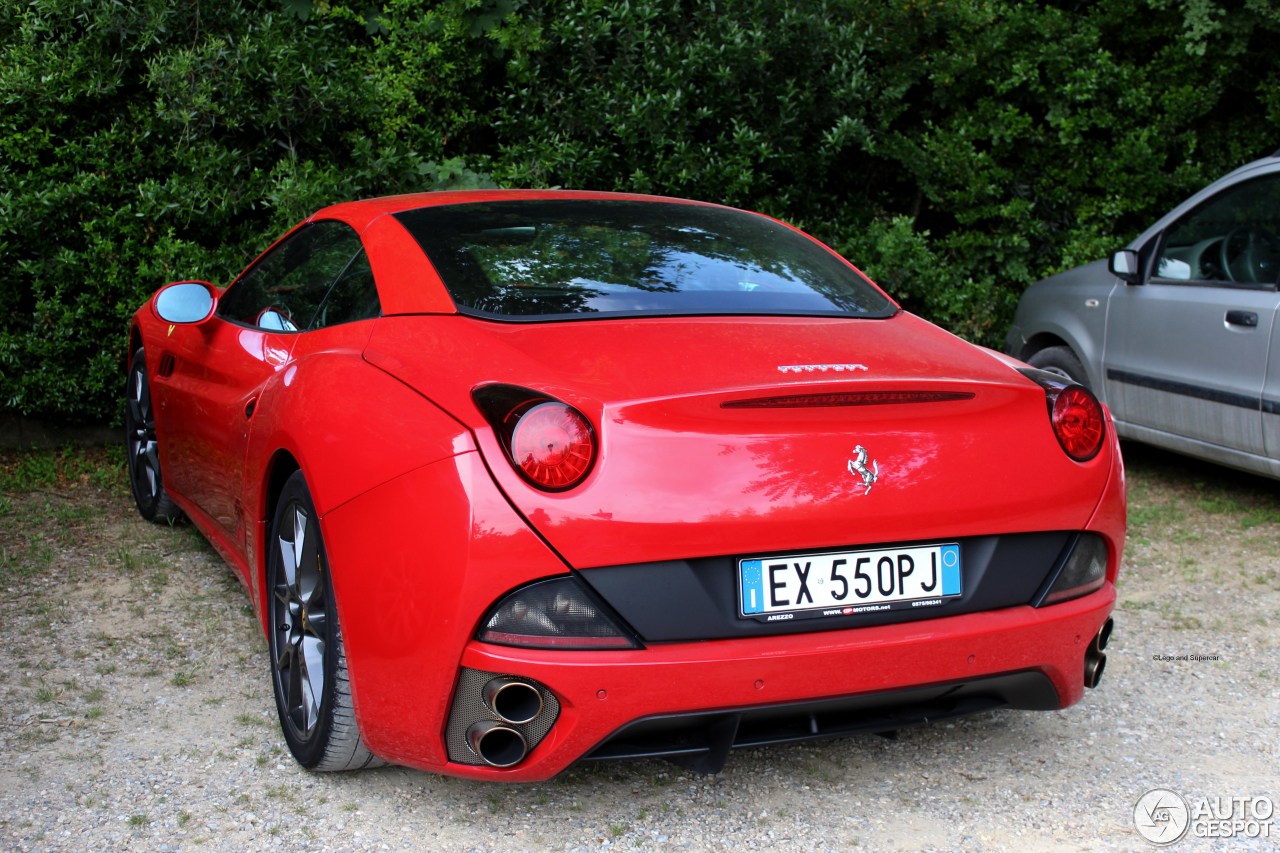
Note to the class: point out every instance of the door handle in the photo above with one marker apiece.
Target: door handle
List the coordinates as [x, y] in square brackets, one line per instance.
[1242, 318]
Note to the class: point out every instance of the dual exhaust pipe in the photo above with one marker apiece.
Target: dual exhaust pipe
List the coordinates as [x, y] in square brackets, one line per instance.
[1094, 659]
[514, 702]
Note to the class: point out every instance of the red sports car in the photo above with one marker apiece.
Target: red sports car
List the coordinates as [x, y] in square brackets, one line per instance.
[522, 479]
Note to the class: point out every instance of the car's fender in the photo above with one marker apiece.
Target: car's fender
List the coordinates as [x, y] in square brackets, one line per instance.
[347, 425]
[410, 603]
[1068, 309]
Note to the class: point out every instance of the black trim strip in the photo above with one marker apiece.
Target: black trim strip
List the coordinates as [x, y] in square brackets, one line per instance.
[1184, 389]
[1270, 407]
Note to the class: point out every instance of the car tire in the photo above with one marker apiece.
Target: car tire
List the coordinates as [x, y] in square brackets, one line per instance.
[1061, 361]
[142, 448]
[308, 661]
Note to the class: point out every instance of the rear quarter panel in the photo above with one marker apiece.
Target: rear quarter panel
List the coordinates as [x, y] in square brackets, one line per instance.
[1068, 308]
[346, 424]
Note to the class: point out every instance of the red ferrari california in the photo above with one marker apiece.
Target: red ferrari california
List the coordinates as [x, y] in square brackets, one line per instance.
[516, 480]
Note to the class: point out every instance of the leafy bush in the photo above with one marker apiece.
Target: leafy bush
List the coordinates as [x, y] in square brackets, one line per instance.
[956, 150]
[147, 143]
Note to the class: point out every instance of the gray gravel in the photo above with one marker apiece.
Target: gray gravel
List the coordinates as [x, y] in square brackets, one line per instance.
[135, 714]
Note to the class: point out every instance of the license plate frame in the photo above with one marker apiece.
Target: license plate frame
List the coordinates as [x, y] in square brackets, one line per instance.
[873, 580]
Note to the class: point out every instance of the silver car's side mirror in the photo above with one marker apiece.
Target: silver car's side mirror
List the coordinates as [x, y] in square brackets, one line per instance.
[1124, 266]
[185, 302]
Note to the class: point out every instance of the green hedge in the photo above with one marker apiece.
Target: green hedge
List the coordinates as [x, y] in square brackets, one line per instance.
[956, 150]
[151, 140]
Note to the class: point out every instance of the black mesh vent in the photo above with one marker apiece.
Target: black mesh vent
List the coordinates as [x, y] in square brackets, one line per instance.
[469, 708]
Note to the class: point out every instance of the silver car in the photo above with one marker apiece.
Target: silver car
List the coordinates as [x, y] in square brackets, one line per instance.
[1177, 333]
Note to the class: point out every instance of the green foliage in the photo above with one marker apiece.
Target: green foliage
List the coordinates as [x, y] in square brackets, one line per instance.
[956, 150]
[153, 141]
[46, 470]
[724, 102]
[1033, 138]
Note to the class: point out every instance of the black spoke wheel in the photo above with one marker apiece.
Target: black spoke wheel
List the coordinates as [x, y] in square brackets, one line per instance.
[143, 448]
[308, 664]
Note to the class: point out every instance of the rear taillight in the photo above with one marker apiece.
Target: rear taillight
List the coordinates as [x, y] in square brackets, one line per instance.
[1078, 422]
[557, 613]
[1075, 414]
[550, 444]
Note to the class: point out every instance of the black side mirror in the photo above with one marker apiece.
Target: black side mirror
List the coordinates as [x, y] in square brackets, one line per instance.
[1124, 266]
[185, 301]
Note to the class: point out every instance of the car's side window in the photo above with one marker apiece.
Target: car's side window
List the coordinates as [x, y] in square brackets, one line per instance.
[1231, 238]
[354, 296]
[284, 290]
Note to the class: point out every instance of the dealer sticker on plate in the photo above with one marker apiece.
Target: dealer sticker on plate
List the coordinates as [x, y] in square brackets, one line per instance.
[806, 586]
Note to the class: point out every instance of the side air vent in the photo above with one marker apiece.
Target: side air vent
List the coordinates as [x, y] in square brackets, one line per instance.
[847, 398]
[167, 364]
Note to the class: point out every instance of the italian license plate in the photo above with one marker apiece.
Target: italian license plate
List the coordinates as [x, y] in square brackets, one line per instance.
[807, 586]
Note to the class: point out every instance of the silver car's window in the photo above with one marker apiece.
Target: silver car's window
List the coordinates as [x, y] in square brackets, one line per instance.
[1229, 239]
[533, 260]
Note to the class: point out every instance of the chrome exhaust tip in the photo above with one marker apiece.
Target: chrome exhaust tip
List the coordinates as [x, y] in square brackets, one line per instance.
[498, 718]
[1104, 636]
[513, 701]
[1094, 660]
[1094, 664]
[496, 744]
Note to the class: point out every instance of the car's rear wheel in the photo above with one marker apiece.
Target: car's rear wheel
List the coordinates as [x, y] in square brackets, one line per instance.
[143, 448]
[1062, 361]
[308, 662]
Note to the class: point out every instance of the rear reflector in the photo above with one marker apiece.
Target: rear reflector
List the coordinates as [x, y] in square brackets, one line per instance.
[1084, 570]
[557, 613]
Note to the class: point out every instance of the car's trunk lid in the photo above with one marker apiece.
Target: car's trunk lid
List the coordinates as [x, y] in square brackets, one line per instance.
[753, 435]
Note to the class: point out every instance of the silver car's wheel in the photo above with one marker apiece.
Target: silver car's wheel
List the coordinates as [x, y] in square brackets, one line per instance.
[1062, 362]
[308, 663]
[143, 448]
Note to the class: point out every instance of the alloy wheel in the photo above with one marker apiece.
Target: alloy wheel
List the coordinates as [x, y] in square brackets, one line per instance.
[299, 618]
[144, 460]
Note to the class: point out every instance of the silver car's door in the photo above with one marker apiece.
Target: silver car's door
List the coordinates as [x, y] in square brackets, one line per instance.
[1186, 353]
[1271, 395]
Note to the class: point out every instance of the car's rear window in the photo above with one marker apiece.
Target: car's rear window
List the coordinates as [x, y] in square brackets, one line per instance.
[558, 259]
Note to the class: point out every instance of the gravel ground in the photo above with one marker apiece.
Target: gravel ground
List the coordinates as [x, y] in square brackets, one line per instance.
[135, 712]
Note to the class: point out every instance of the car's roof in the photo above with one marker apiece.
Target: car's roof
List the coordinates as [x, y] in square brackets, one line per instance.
[361, 213]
